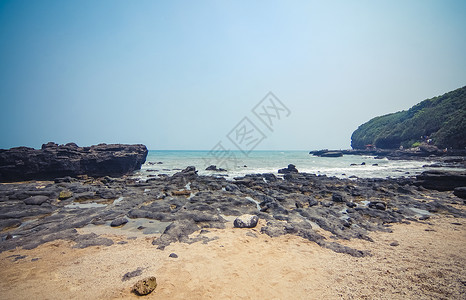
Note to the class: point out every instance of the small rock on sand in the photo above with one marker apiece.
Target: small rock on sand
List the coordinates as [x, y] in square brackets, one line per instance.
[132, 274]
[145, 286]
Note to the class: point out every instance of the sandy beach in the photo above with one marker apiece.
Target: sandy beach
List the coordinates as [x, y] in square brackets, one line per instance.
[428, 263]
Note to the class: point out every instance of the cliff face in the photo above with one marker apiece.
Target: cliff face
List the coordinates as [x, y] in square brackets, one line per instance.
[53, 161]
[440, 120]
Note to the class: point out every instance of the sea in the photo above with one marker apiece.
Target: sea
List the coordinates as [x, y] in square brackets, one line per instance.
[237, 164]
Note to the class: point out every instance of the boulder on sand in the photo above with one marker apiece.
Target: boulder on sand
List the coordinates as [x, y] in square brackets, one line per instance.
[145, 286]
[246, 221]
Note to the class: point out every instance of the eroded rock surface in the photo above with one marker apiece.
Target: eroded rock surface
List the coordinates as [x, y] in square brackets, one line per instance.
[54, 161]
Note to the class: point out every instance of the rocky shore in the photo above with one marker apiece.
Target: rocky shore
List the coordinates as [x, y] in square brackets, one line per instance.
[447, 158]
[36, 212]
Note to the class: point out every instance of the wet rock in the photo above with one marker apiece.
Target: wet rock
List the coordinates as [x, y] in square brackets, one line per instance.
[145, 286]
[119, 222]
[246, 221]
[36, 200]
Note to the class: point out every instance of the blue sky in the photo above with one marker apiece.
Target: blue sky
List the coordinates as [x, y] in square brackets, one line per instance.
[182, 74]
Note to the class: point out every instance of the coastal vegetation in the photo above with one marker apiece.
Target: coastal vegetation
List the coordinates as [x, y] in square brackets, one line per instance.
[440, 121]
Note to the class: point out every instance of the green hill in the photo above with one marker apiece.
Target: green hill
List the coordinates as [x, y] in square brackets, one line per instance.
[441, 119]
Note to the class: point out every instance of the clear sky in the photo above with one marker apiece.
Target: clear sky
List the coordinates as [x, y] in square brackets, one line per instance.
[182, 74]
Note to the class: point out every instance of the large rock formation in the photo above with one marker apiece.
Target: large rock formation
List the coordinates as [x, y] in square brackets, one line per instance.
[53, 161]
[440, 180]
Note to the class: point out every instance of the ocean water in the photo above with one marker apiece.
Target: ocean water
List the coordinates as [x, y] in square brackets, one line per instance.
[237, 164]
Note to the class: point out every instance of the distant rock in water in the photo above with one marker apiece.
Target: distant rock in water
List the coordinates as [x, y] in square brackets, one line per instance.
[53, 161]
[291, 169]
[439, 121]
[332, 154]
[326, 153]
[214, 168]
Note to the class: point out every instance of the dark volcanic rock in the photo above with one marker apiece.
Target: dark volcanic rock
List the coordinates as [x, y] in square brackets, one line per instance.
[119, 222]
[178, 231]
[91, 239]
[332, 154]
[54, 161]
[132, 274]
[441, 181]
[377, 205]
[292, 206]
[36, 200]
[214, 168]
[336, 197]
[460, 192]
[290, 169]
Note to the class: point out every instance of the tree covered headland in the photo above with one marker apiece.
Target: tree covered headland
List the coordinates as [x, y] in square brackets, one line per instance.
[440, 121]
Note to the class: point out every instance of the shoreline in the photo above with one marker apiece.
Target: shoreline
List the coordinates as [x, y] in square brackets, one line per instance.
[242, 263]
[168, 163]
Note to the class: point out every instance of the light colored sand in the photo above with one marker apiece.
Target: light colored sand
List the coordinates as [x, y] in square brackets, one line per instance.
[426, 264]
